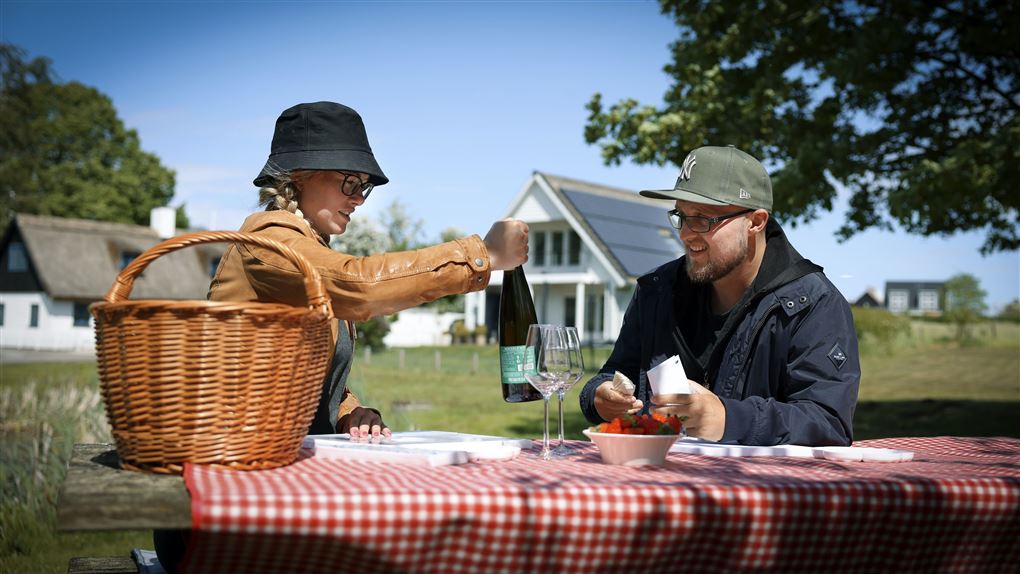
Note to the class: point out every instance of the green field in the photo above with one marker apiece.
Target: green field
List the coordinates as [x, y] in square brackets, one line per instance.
[918, 384]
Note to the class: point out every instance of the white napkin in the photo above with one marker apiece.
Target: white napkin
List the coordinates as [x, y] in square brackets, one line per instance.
[622, 384]
[669, 378]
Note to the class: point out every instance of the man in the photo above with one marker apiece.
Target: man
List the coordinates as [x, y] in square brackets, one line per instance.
[766, 340]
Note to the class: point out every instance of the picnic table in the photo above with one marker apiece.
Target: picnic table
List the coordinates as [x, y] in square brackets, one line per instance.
[954, 507]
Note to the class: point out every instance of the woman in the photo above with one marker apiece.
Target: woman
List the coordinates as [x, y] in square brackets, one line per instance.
[320, 170]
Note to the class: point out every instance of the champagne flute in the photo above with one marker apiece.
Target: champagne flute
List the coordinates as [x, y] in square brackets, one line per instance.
[574, 354]
[546, 363]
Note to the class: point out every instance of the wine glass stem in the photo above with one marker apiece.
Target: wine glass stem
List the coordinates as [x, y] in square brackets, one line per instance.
[545, 428]
[559, 442]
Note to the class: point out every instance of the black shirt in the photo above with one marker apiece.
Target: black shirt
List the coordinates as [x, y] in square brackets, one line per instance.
[697, 327]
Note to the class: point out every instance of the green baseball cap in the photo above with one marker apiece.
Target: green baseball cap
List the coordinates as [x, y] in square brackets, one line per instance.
[715, 175]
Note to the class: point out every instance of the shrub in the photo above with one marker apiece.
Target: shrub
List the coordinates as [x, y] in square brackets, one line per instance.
[878, 326]
[1011, 312]
[459, 332]
[372, 331]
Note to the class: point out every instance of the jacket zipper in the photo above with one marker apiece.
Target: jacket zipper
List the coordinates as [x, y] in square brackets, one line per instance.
[747, 356]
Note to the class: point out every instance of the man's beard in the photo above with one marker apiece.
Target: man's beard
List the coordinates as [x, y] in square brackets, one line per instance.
[714, 270]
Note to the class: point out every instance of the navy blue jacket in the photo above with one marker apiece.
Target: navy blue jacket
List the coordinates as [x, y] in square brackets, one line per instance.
[785, 365]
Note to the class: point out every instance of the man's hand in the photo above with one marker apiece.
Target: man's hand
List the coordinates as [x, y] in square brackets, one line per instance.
[704, 412]
[611, 404]
[363, 423]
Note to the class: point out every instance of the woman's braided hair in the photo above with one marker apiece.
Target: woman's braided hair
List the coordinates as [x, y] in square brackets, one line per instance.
[283, 192]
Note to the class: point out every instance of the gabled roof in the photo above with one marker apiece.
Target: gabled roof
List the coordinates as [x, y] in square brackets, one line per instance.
[631, 230]
[79, 259]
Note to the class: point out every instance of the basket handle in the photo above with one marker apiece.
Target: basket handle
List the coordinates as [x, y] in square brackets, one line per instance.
[313, 282]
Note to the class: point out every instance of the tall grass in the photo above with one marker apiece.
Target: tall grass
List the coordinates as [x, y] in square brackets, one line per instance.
[44, 411]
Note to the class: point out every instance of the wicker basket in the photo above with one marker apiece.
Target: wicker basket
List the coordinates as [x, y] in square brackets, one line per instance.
[227, 384]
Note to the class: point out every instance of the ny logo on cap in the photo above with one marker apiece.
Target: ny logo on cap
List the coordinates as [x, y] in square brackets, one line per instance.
[685, 169]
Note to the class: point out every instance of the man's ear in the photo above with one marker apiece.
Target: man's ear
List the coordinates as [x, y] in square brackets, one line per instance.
[758, 218]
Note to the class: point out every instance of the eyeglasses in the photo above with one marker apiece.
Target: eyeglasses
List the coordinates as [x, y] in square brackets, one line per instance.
[352, 184]
[699, 224]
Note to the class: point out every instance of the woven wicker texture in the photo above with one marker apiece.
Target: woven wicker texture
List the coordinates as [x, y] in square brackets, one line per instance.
[227, 384]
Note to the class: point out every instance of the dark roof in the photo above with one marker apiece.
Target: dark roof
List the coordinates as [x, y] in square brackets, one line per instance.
[632, 229]
[868, 299]
[914, 285]
[79, 259]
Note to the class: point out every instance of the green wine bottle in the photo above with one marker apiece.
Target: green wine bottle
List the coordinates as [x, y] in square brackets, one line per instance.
[516, 313]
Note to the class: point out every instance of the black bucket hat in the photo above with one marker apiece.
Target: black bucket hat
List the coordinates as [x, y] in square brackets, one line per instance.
[320, 136]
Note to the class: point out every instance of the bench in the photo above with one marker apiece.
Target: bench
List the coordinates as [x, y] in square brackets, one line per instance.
[102, 565]
[98, 495]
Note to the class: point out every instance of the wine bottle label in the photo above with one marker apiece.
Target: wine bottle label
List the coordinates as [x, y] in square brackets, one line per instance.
[514, 362]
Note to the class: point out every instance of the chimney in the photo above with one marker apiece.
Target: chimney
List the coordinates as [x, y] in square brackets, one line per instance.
[163, 220]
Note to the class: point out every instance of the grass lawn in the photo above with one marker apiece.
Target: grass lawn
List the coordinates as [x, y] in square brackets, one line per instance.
[919, 385]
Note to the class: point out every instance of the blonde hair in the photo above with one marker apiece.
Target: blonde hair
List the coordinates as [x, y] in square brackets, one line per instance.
[284, 191]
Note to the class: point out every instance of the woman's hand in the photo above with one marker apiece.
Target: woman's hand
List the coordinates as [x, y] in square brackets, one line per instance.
[363, 422]
[507, 243]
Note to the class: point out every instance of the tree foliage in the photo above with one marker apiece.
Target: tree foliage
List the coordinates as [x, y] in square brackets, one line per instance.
[965, 302]
[403, 229]
[909, 105]
[362, 237]
[1011, 312]
[64, 151]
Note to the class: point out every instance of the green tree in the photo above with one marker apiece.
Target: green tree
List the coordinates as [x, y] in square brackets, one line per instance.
[372, 331]
[362, 237]
[965, 302]
[1011, 312]
[910, 106]
[404, 231]
[64, 151]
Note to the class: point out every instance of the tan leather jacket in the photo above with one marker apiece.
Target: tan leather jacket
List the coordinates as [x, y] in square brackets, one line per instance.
[360, 287]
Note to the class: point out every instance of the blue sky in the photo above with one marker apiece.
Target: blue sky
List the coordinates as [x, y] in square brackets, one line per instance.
[462, 101]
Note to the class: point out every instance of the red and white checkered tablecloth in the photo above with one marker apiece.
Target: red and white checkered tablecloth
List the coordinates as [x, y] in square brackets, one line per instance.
[954, 508]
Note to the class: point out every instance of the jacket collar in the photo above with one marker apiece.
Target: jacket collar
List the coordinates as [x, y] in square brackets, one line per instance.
[281, 218]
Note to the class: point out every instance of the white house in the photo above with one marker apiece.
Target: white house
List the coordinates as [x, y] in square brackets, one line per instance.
[52, 268]
[421, 326]
[915, 297]
[589, 244]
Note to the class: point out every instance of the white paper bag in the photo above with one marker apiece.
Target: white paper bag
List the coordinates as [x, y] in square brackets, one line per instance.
[669, 378]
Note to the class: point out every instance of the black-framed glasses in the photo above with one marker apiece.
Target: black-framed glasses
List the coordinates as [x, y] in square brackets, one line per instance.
[352, 184]
[699, 224]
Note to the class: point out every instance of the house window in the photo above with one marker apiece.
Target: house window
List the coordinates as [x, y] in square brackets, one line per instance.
[33, 320]
[898, 300]
[1, 314]
[17, 258]
[81, 314]
[928, 300]
[126, 257]
[539, 249]
[569, 317]
[557, 249]
[573, 249]
[213, 265]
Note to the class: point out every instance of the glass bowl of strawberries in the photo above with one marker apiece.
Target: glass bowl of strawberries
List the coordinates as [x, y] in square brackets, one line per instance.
[635, 440]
